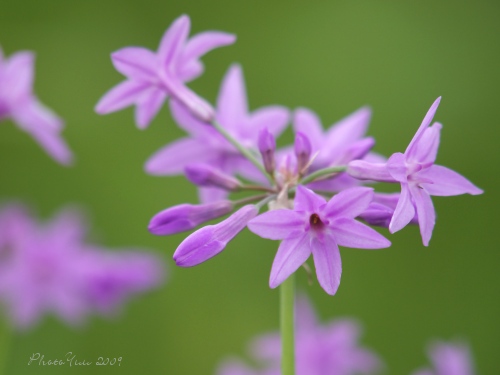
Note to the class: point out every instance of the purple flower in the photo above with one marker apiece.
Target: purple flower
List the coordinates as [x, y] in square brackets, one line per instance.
[317, 227]
[419, 178]
[209, 241]
[449, 359]
[50, 268]
[342, 142]
[19, 103]
[151, 77]
[186, 217]
[320, 349]
[206, 145]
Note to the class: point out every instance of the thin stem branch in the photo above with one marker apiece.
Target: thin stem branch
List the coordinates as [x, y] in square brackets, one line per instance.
[251, 199]
[245, 152]
[257, 188]
[322, 173]
[287, 291]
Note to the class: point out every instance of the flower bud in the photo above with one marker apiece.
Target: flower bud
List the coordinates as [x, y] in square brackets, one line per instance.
[302, 148]
[186, 216]
[381, 209]
[267, 146]
[209, 241]
[205, 175]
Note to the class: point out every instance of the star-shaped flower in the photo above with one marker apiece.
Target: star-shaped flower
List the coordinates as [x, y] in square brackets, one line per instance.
[318, 227]
[152, 77]
[419, 177]
[19, 103]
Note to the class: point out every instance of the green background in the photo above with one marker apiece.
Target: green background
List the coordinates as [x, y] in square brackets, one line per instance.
[331, 56]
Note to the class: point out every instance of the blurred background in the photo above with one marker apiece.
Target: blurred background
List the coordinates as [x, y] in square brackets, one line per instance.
[330, 56]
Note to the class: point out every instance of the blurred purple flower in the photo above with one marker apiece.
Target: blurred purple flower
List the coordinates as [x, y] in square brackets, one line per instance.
[317, 227]
[206, 145]
[151, 77]
[449, 359]
[320, 349]
[19, 103]
[49, 268]
[419, 177]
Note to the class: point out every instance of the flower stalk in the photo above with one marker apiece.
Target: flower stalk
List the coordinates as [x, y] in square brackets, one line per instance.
[244, 151]
[322, 173]
[287, 294]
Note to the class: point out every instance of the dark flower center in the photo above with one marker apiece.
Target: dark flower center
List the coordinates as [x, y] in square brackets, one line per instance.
[315, 221]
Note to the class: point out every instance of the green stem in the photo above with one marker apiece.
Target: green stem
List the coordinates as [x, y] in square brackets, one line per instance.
[287, 291]
[5, 340]
[321, 173]
[245, 152]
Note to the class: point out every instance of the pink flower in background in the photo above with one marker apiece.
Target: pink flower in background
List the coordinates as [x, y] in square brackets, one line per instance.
[19, 103]
[449, 359]
[152, 77]
[50, 269]
[320, 349]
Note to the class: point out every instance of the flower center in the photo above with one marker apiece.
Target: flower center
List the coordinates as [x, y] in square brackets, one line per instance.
[315, 221]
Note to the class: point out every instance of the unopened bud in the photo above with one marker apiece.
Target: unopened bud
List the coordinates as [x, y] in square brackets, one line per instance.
[206, 175]
[186, 217]
[302, 148]
[267, 146]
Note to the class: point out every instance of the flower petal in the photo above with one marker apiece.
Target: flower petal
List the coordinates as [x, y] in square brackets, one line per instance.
[349, 203]
[232, 108]
[198, 247]
[396, 165]
[349, 129]
[54, 145]
[18, 75]
[292, 253]
[404, 210]
[447, 182]
[306, 200]
[34, 115]
[425, 123]
[148, 105]
[425, 148]
[191, 70]
[188, 122]
[277, 224]
[136, 62]
[204, 42]
[211, 194]
[120, 96]
[352, 233]
[273, 118]
[173, 40]
[364, 170]
[327, 262]
[425, 211]
[173, 158]
[307, 122]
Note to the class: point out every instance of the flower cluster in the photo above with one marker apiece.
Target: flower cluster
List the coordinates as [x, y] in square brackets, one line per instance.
[313, 189]
[50, 268]
[332, 348]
